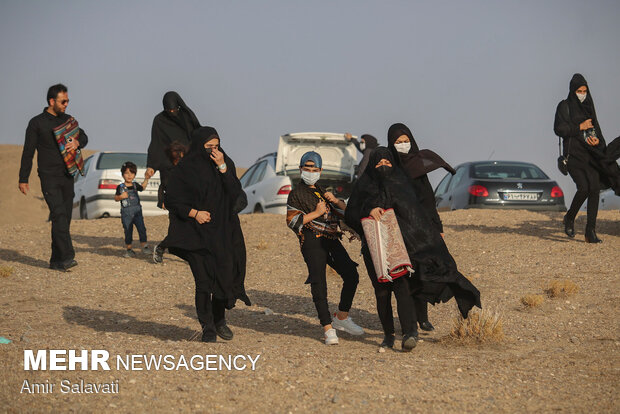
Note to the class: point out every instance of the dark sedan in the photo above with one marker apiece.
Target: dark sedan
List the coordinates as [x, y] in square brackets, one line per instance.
[499, 184]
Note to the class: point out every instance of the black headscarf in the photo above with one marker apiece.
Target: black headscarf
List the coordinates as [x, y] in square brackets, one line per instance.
[570, 113]
[168, 127]
[371, 142]
[184, 116]
[417, 162]
[580, 111]
[436, 278]
[197, 184]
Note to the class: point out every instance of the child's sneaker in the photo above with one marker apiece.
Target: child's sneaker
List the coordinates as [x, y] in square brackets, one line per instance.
[129, 253]
[330, 337]
[146, 250]
[347, 325]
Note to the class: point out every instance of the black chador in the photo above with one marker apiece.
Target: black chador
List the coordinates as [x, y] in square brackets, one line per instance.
[417, 164]
[592, 167]
[436, 277]
[175, 123]
[214, 250]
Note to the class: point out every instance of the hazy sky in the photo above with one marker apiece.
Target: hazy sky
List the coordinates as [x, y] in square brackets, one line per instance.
[470, 78]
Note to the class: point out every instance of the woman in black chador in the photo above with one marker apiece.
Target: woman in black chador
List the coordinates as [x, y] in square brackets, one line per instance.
[202, 195]
[417, 163]
[175, 123]
[365, 145]
[435, 278]
[590, 165]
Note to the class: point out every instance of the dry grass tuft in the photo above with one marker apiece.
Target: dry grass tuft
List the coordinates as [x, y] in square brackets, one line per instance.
[6, 271]
[262, 245]
[561, 289]
[481, 326]
[531, 301]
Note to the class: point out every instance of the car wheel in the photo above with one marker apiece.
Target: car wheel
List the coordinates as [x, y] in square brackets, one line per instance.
[83, 211]
[258, 209]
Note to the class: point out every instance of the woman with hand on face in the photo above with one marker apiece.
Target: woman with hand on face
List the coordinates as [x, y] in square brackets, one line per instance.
[417, 164]
[313, 214]
[201, 196]
[584, 145]
[435, 278]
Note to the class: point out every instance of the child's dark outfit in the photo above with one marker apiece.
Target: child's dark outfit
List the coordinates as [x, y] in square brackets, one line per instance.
[131, 212]
[320, 246]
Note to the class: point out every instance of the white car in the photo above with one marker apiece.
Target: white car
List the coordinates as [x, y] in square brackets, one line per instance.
[94, 192]
[268, 182]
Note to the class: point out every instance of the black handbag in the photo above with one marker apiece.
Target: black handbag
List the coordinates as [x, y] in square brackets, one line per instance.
[563, 159]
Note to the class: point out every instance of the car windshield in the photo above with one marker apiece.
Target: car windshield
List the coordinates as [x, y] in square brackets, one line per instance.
[114, 160]
[508, 171]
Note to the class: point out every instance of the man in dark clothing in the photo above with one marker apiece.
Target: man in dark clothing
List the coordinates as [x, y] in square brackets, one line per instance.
[56, 183]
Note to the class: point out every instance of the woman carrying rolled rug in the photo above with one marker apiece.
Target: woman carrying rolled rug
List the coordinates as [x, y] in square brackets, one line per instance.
[436, 277]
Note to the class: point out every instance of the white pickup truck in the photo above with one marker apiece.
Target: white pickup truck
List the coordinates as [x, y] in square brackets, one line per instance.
[268, 182]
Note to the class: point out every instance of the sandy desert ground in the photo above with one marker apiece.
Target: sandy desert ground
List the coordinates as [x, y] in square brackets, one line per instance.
[563, 355]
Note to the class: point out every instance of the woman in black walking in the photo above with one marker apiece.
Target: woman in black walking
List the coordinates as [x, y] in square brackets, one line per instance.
[584, 146]
[204, 229]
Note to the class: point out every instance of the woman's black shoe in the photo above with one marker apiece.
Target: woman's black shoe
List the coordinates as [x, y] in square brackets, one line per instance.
[224, 332]
[409, 342]
[591, 237]
[569, 227]
[388, 341]
[427, 326]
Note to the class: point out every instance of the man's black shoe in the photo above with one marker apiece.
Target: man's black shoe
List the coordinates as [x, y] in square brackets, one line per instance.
[224, 332]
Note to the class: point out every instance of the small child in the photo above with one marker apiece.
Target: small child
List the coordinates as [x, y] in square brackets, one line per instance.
[131, 210]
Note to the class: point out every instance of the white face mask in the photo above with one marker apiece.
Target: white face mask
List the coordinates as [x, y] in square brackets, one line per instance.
[581, 96]
[363, 146]
[403, 147]
[310, 177]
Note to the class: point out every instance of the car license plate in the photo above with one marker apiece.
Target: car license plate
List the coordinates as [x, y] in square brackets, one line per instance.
[520, 196]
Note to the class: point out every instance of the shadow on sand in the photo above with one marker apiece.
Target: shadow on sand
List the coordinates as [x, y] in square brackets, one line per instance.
[109, 321]
[551, 229]
[15, 256]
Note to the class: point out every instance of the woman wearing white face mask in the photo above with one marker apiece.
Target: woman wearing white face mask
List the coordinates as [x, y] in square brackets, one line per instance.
[417, 163]
[313, 214]
[583, 143]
